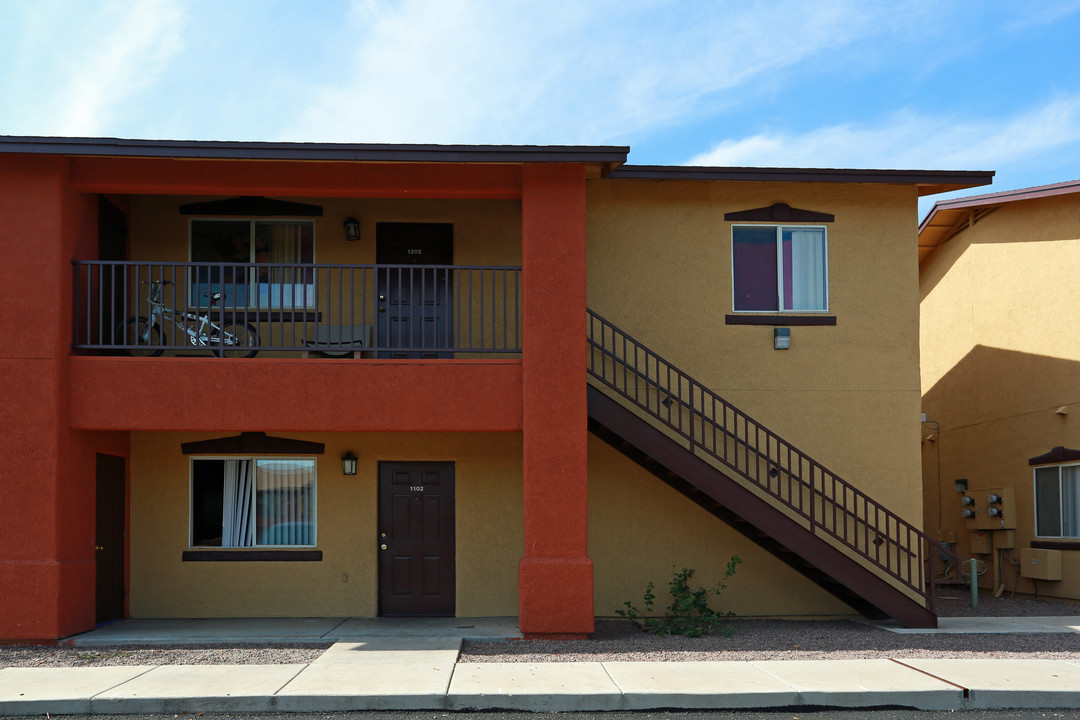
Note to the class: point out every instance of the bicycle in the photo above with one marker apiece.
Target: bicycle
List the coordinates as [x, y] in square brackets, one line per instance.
[142, 335]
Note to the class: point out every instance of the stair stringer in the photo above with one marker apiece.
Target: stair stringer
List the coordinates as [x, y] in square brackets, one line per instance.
[745, 504]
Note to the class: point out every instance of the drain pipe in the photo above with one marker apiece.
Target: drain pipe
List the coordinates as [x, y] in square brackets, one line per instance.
[973, 576]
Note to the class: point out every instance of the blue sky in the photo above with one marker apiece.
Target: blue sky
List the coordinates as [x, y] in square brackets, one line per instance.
[835, 83]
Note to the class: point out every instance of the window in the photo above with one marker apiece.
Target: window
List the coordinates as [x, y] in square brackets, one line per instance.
[252, 502]
[290, 244]
[779, 268]
[1057, 501]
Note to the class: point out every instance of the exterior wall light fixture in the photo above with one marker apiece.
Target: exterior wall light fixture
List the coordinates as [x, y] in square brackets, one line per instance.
[781, 338]
[348, 463]
[352, 229]
[961, 485]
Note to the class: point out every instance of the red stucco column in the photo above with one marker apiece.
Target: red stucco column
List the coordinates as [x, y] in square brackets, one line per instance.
[555, 583]
[46, 471]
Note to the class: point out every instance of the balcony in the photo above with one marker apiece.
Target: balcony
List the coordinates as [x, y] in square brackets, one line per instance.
[296, 310]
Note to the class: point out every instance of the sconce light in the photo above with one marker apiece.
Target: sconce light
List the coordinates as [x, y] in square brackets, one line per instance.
[781, 338]
[348, 463]
[352, 229]
[961, 485]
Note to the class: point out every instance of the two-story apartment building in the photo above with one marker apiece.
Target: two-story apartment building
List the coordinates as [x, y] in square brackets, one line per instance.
[255, 379]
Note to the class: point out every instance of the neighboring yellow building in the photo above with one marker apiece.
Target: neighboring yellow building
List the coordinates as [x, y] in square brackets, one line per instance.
[1001, 384]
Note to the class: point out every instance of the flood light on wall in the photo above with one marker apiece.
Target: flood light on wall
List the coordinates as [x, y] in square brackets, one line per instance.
[781, 338]
[348, 463]
[352, 229]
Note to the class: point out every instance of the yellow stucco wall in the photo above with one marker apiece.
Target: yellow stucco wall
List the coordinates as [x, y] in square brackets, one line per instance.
[999, 357]
[659, 264]
[488, 531]
[639, 529]
[486, 232]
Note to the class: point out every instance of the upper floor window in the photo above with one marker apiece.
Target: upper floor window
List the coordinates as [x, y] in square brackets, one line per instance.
[288, 243]
[1057, 501]
[778, 268]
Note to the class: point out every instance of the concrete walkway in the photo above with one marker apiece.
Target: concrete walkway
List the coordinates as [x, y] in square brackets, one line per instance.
[391, 668]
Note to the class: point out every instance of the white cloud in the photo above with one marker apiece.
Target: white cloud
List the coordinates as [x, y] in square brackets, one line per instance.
[909, 140]
[80, 64]
[561, 70]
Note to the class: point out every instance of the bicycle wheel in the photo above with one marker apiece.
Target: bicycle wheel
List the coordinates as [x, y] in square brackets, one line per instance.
[139, 337]
[236, 340]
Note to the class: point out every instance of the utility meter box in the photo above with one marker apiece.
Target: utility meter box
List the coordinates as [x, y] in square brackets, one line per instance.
[1039, 564]
[981, 542]
[1004, 539]
[995, 508]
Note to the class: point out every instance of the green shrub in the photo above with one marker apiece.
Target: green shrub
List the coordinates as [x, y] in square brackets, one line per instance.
[689, 612]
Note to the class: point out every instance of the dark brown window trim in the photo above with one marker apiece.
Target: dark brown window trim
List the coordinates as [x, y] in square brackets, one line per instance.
[1055, 545]
[252, 443]
[780, 319]
[242, 315]
[779, 213]
[252, 556]
[1057, 456]
[252, 207]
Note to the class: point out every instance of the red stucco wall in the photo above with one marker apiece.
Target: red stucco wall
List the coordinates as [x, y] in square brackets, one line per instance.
[555, 575]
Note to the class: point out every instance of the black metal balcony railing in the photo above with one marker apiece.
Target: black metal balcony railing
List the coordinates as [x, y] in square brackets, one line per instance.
[378, 310]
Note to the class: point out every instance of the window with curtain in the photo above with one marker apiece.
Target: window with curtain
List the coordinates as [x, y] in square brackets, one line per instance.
[253, 502]
[287, 245]
[1057, 501]
[779, 268]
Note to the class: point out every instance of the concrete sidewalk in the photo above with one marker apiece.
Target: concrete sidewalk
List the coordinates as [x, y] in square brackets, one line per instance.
[389, 671]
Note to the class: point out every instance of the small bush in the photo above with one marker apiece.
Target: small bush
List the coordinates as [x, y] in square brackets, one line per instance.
[689, 612]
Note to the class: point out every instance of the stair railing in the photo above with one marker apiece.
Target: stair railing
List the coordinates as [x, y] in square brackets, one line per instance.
[708, 424]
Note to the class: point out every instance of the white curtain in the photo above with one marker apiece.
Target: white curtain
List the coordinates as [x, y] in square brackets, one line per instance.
[286, 502]
[236, 509]
[1070, 501]
[284, 244]
[807, 269]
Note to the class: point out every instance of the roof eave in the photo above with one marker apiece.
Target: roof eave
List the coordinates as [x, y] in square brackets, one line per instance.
[928, 182]
[607, 156]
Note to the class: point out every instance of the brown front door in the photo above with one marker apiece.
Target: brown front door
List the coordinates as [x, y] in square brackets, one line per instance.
[416, 538]
[109, 538]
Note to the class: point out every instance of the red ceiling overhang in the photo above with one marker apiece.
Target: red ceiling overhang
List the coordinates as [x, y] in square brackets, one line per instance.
[170, 176]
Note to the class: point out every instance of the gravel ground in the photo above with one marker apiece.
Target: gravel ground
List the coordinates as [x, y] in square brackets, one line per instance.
[238, 654]
[616, 640]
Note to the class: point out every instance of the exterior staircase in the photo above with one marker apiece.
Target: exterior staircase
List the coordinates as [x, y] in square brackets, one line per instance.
[758, 483]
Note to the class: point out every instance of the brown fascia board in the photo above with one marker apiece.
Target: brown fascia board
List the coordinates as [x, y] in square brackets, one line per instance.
[1000, 198]
[928, 181]
[608, 155]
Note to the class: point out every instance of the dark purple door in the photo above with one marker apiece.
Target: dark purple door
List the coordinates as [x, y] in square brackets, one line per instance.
[414, 299]
[416, 538]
